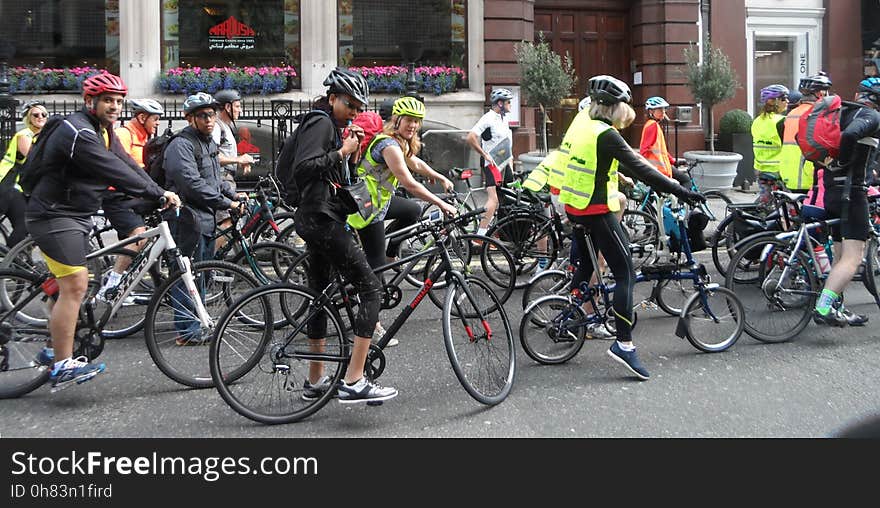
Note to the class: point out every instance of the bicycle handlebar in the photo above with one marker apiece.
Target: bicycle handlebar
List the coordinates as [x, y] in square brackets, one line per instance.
[435, 223]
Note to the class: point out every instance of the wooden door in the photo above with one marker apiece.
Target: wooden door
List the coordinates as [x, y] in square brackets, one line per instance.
[597, 43]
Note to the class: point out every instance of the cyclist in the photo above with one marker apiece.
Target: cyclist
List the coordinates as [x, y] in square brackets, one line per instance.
[653, 144]
[846, 197]
[12, 202]
[589, 191]
[795, 171]
[230, 108]
[320, 168]
[82, 157]
[133, 136]
[492, 134]
[389, 161]
[767, 133]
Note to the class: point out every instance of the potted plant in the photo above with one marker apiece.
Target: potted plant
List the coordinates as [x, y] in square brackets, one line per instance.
[546, 79]
[735, 135]
[711, 81]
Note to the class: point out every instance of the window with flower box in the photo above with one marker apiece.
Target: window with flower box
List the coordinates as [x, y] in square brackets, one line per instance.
[231, 33]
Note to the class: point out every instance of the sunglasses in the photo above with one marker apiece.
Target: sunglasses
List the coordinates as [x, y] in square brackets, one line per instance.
[206, 115]
[39, 115]
[349, 105]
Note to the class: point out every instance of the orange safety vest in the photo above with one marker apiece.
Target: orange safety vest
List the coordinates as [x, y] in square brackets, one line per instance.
[795, 171]
[133, 138]
[658, 154]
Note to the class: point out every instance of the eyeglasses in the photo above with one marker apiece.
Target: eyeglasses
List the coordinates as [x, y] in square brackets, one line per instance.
[349, 105]
[39, 115]
[206, 115]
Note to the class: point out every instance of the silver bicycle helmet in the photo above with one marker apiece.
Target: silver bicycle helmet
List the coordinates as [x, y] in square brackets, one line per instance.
[500, 94]
[341, 80]
[227, 96]
[198, 101]
[148, 106]
[815, 83]
[609, 90]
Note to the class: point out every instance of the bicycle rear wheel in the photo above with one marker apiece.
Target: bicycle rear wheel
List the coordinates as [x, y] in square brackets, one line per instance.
[552, 330]
[20, 340]
[174, 336]
[261, 372]
[529, 238]
[671, 295]
[714, 319]
[778, 299]
[479, 343]
[644, 236]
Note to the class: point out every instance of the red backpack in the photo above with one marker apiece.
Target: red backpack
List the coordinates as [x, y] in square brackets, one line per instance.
[371, 123]
[819, 130]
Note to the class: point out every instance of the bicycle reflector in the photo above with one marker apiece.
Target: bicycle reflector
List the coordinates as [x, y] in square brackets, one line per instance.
[466, 174]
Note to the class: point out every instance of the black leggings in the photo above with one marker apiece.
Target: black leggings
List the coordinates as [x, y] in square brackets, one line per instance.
[609, 239]
[13, 205]
[332, 247]
[404, 212]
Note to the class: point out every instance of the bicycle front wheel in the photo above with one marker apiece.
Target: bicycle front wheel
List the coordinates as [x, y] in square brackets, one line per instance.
[552, 330]
[175, 338]
[671, 295]
[261, 372]
[21, 341]
[548, 282]
[714, 319]
[479, 343]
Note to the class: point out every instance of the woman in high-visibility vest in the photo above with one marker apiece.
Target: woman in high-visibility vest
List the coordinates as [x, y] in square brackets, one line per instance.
[589, 192]
[12, 202]
[767, 132]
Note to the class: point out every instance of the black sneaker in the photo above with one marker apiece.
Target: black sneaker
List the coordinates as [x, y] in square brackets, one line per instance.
[364, 391]
[629, 359]
[834, 318]
[317, 390]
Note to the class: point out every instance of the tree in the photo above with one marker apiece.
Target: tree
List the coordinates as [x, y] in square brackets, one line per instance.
[547, 78]
[711, 82]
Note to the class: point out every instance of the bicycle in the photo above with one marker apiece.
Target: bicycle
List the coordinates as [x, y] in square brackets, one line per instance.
[777, 278]
[553, 328]
[260, 372]
[25, 294]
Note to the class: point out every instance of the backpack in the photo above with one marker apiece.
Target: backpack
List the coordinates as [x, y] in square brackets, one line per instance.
[372, 124]
[32, 170]
[154, 154]
[284, 173]
[819, 130]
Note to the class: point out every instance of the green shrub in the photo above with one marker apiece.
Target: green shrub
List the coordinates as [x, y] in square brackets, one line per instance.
[735, 121]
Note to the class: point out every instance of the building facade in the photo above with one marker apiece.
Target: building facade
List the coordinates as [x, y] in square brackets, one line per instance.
[639, 41]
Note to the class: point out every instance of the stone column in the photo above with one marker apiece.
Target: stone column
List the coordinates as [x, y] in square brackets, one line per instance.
[319, 52]
[140, 53]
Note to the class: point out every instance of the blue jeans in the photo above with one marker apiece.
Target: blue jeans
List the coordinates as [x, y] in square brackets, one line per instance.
[186, 321]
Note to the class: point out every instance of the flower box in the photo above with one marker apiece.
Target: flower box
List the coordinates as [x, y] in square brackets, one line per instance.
[247, 80]
[392, 79]
[30, 80]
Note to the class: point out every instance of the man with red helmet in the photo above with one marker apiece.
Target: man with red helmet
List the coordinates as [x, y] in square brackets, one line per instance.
[82, 157]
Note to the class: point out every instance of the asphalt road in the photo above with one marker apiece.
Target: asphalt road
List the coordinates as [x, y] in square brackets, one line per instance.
[813, 386]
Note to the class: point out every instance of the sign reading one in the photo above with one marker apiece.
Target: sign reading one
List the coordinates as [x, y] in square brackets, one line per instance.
[231, 34]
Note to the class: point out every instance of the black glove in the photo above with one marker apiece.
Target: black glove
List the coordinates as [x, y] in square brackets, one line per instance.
[690, 197]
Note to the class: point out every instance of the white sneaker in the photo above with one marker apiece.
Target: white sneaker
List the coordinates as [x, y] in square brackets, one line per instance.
[598, 331]
[364, 391]
[379, 333]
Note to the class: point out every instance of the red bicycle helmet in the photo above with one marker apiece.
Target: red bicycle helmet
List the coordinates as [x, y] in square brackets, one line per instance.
[103, 83]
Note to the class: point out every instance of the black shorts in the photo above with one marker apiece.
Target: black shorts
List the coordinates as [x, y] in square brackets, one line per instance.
[117, 209]
[496, 177]
[64, 242]
[856, 225]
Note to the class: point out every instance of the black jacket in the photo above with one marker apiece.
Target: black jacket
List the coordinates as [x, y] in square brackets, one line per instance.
[81, 168]
[317, 166]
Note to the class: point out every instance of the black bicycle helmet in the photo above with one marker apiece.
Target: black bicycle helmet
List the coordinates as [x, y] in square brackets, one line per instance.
[342, 80]
[869, 90]
[609, 90]
[227, 96]
[815, 83]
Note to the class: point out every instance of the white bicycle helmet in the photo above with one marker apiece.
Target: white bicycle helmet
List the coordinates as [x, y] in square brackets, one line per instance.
[149, 106]
[198, 101]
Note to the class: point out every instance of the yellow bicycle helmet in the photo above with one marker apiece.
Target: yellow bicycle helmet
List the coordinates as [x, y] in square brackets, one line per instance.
[408, 106]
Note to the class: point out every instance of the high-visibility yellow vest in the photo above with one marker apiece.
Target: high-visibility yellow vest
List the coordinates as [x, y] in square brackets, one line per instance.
[12, 156]
[766, 143]
[659, 154]
[549, 171]
[580, 173]
[795, 171]
[380, 181]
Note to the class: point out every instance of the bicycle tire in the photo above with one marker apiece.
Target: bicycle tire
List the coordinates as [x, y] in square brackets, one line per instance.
[186, 364]
[549, 337]
[492, 384]
[871, 269]
[772, 313]
[644, 236]
[521, 233]
[672, 295]
[272, 260]
[700, 313]
[244, 380]
[548, 282]
[20, 340]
